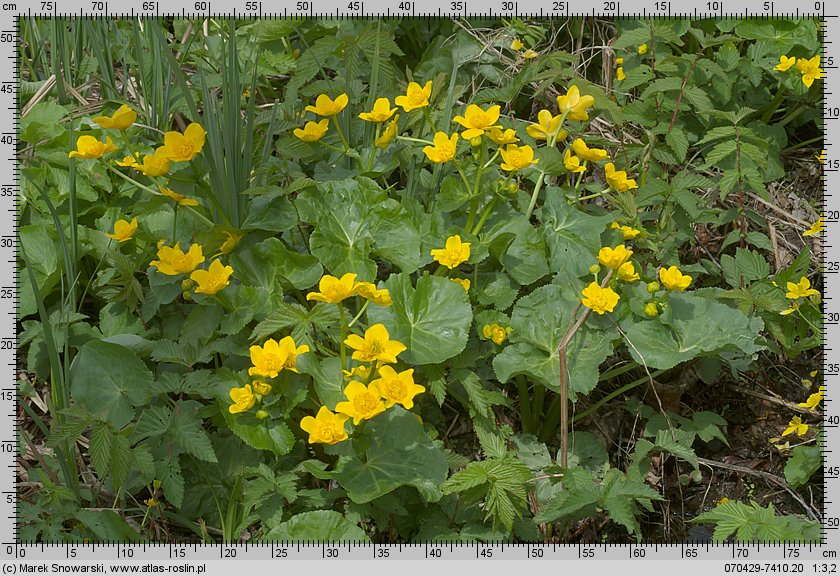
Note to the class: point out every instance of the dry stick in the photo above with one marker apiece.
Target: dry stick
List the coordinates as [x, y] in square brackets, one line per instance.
[779, 401]
[682, 89]
[564, 377]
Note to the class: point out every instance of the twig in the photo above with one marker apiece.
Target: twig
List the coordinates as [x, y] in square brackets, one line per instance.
[777, 257]
[785, 403]
[682, 89]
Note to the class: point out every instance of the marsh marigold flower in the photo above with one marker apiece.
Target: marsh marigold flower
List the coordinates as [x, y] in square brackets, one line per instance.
[515, 158]
[369, 291]
[802, 289]
[530, 53]
[498, 334]
[796, 425]
[212, 280]
[815, 228]
[154, 164]
[119, 120]
[376, 345]
[325, 428]
[180, 199]
[454, 254]
[88, 147]
[397, 388]
[464, 282]
[810, 69]
[173, 261]
[673, 279]
[546, 127]
[575, 105]
[626, 231]
[333, 289]
[502, 136]
[313, 131]
[261, 388]
[326, 106]
[587, 153]
[361, 371]
[516, 44]
[381, 112]
[572, 163]
[614, 258]
[415, 96]
[127, 161]
[179, 147]
[243, 399]
[388, 134]
[814, 399]
[444, 148]
[598, 299]
[651, 310]
[268, 360]
[363, 402]
[291, 351]
[785, 63]
[617, 179]
[123, 230]
[627, 273]
[478, 121]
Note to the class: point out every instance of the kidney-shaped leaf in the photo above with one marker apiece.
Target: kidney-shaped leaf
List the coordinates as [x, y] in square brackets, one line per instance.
[317, 526]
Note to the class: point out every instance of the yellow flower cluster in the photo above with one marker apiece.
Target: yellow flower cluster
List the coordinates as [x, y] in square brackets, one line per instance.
[173, 261]
[809, 68]
[334, 290]
[498, 334]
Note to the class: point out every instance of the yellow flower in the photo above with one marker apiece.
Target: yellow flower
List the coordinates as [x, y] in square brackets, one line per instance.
[628, 232]
[261, 388]
[785, 63]
[515, 158]
[516, 44]
[268, 360]
[291, 351]
[388, 134]
[120, 120]
[415, 97]
[455, 252]
[673, 279]
[614, 258]
[529, 54]
[496, 333]
[325, 428]
[501, 136]
[313, 131]
[127, 161]
[179, 198]
[598, 299]
[444, 148]
[464, 282]
[478, 121]
[617, 179]
[230, 242]
[369, 291]
[88, 147]
[651, 310]
[326, 106]
[619, 74]
[179, 147]
[796, 425]
[627, 273]
[546, 127]
[800, 290]
[820, 157]
[397, 388]
[123, 230]
[363, 372]
[376, 345]
[363, 402]
[815, 228]
[381, 112]
[243, 399]
[810, 69]
[150, 502]
[643, 49]
[154, 164]
[619, 61]
[575, 105]
[814, 399]
[588, 154]
[212, 280]
[572, 163]
[333, 289]
[173, 261]
[794, 306]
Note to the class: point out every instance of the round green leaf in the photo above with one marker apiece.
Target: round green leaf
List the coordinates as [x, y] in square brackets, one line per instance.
[318, 526]
[108, 380]
[433, 320]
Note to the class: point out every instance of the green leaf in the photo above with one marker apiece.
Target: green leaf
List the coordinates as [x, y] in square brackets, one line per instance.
[317, 526]
[108, 380]
[171, 479]
[516, 244]
[433, 319]
[678, 443]
[187, 431]
[286, 315]
[261, 435]
[752, 522]
[107, 526]
[399, 452]
[572, 236]
[327, 376]
[803, 462]
[270, 212]
[43, 122]
[101, 440]
[270, 265]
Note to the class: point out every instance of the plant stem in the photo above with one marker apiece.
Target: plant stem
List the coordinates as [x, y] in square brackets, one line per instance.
[534, 196]
[175, 225]
[429, 119]
[476, 185]
[524, 404]
[343, 335]
[774, 104]
[627, 387]
[418, 140]
[596, 195]
[373, 152]
[359, 315]
[485, 214]
[537, 405]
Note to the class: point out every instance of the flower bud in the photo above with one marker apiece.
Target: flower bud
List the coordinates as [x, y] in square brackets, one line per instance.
[513, 187]
[653, 287]
[262, 414]
[594, 269]
[187, 284]
[187, 296]
[651, 310]
[476, 142]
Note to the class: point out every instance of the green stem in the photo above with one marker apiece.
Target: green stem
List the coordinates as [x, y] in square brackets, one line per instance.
[429, 119]
[463, 177]
[596, 195]
[534, 195]
[774, 104]
[627, 387]
[551, 421]
[537, 406]
[343, 336]
[175, 225]
[792, 115]
[344, 140]
[580, 179]
[477, 184]
[493, 159]
[524, 404]
[803, 144]
[418, 140]
[359, 315]
[485, 214]
[373, 152]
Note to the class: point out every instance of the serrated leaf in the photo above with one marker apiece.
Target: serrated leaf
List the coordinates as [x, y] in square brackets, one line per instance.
[678, 142]
[101, 441]
[188, 433]
[171, 480]
[803, 462]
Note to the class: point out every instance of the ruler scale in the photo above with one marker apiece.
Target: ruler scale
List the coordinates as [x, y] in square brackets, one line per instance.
[497, 557]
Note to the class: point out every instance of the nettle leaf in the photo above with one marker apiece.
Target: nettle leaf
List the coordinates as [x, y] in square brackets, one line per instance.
[398, 453]
[108, 380]
[803, 462]
[433, 319]
[539, 321]
[317, 526]
[572, 236]
[752, 522]
[692, 327]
